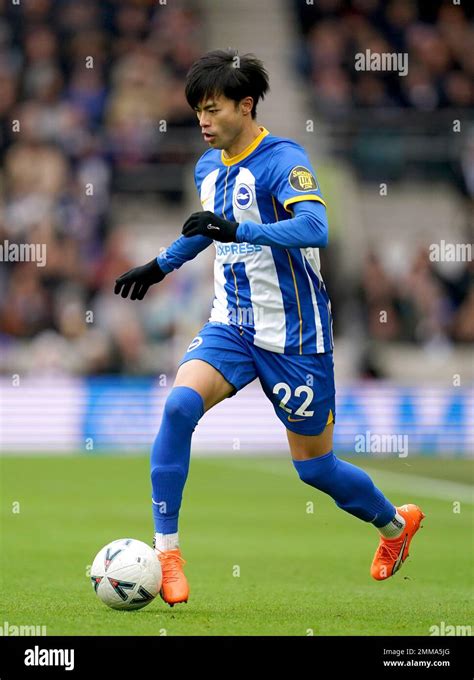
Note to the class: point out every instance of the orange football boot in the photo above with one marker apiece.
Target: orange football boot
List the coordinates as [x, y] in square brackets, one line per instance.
[174, 586]
[392, 552]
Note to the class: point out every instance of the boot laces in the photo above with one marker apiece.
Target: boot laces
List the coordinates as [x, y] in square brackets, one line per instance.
[390, 551]
[171, 564]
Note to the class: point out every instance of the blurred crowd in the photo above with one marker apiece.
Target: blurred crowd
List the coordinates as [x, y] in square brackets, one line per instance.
[377, 112]
[85, 89]
[437, 36]
[431, 303]
[428, 303]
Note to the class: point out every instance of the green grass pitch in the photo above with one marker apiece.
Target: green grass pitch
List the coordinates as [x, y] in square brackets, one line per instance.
[259, 562]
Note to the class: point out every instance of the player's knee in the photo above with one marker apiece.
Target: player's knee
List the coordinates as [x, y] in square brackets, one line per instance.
[175, 407]
[306, 476]
[183, 405]
[317, 471]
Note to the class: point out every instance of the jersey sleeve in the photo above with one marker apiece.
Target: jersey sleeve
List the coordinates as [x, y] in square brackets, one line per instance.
[182, 250]
[309, 229]
[292, 178]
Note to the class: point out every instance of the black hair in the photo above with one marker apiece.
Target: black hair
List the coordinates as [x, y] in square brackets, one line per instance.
[224, 72]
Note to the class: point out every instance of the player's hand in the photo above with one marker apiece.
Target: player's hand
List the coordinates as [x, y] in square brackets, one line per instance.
[141, 278]
[208, 224]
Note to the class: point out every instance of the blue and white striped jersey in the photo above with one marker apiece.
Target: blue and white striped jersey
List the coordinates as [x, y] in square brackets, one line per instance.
[275, 295]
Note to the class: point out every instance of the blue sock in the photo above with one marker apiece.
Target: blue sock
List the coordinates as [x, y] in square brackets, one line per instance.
[170, 456]
[349, 486]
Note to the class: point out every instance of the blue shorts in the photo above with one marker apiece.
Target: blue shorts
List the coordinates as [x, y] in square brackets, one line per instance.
[300, 386]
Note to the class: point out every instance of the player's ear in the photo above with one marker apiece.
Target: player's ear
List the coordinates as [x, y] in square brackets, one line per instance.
[246, 105]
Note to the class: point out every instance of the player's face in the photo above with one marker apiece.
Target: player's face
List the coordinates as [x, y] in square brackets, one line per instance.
[221, 121]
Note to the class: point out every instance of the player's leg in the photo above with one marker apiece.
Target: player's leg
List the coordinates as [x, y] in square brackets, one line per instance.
[351, 487]
[198, 386]
[214, 367]
[303, 447]
[354, 491]
[208, 382]
[308, 412]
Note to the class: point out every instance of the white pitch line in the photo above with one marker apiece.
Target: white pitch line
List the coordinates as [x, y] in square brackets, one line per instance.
[426, 487]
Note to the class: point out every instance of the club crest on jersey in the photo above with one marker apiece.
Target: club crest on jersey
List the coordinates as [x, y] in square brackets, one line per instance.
[243, 197]
[302, 179]
[195, 342]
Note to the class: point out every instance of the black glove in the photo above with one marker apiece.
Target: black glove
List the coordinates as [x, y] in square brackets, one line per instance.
[208, 224]
[141, 278]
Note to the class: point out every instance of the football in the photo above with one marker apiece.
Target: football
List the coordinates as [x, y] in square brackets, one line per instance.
[126, 574]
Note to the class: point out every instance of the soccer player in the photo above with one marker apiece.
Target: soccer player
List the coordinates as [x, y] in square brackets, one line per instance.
[263, 210]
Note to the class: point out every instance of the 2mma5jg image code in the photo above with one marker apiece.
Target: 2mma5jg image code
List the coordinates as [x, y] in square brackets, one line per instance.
[412, 662]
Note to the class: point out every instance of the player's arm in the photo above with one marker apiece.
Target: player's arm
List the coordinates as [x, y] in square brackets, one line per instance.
[139, 279]
[291, 182]
[308, 229]
[182, 250]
